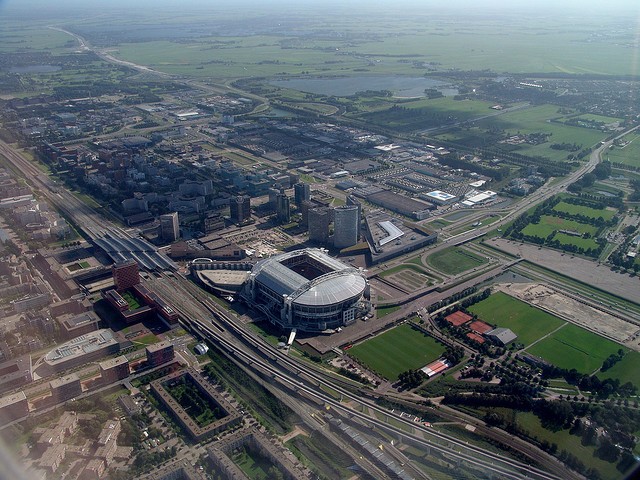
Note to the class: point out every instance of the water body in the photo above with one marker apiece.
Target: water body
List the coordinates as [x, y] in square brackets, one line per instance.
[345, 86]
[36, 69]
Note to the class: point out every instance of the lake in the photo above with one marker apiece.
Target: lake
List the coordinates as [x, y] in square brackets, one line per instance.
[345, 86]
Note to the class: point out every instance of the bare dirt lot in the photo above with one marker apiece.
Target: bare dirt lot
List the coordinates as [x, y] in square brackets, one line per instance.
[583, 270]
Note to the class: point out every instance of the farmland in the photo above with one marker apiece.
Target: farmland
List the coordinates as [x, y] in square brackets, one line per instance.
[398, 350]
[528, 322]
[573, 347]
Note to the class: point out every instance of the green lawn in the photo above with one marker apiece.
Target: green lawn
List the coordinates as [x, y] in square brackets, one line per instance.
[528, 322]
[586, 211]
[548, 224]
[627, 370]
[384, 311]
[131, 300]
[455, 260]
[254, 466]
[400, 268]
[398, 350]
[575, 347]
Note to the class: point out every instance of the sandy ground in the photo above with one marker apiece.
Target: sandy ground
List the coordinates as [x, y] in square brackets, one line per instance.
[572, 310]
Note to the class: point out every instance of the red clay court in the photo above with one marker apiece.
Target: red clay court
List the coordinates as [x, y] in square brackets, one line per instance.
[458, 318]
[480, 327]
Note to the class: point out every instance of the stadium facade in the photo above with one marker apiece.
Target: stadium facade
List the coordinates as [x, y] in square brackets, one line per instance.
[307, 290]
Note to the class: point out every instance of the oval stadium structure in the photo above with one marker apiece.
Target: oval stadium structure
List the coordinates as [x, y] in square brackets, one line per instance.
[307, 290]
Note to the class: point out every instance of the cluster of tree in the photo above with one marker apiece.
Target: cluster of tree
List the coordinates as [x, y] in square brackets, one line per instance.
[453, 298]
[353, 376]
[454, 355]
[590, 383]
[620, 259]
[411, 378]
[635, 195]
[569, 147]
[611, 360]
[146, 460]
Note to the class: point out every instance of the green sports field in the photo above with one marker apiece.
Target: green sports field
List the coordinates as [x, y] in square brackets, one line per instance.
[586, 211]
[528, 322]
[627, 370]
[574, 347]
[455, 260]
[548, 224]
[398, 350]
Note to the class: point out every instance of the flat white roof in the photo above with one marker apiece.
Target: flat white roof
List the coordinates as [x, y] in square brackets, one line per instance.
[440, 195]
[481, 197]
[477, 184]
[393, 232]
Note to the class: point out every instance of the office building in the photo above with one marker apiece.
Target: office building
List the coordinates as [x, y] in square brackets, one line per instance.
[65, 388]
[353, 200]
[13, 407]
[159, 353]
[302, 192]
[114, 369]
[319, 221]
[125, 274]
[240, 208]
[283, 208]
[169, 227]
[304, 208]
[345, 225]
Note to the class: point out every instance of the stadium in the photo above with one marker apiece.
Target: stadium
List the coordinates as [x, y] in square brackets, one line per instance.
[307, 290]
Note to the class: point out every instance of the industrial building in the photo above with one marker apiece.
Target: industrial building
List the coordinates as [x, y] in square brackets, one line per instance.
[308, 290]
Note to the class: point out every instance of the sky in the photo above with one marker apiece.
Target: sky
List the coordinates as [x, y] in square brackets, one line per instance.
[578, 6]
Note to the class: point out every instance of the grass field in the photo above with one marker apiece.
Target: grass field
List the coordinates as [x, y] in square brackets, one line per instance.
[574, 347]
[548, 224]
[398, 350]
[384, 311]
[627, 370]
[528, 322]
[455, 260]
[586, 211]
[571, 443]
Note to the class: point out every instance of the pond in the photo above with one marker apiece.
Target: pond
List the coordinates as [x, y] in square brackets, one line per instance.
[344, 86]
[35, 69]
